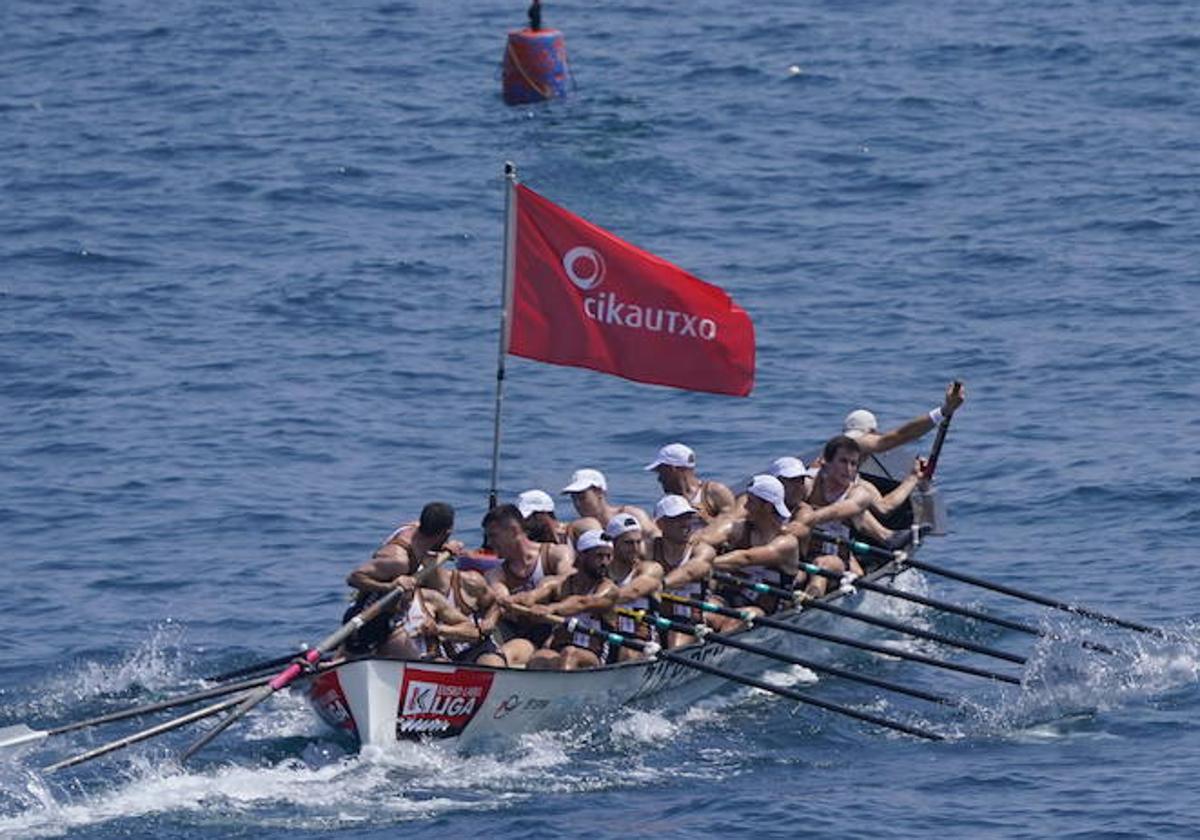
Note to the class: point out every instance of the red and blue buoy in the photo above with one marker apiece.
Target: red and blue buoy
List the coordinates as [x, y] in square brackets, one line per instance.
[535, 62]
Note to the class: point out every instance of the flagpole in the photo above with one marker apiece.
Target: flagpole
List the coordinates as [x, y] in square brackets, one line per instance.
[506, 284]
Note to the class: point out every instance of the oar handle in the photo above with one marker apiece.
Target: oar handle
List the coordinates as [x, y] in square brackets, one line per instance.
[857, 546]
[573, 626]
[940, 440]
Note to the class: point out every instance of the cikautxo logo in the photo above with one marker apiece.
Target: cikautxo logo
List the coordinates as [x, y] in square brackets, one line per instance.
[585, 268]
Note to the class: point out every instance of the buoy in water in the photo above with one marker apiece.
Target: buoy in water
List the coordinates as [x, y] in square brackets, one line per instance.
[535, 66]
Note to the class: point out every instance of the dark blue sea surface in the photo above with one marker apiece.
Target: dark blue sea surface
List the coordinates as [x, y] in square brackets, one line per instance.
[249, 276]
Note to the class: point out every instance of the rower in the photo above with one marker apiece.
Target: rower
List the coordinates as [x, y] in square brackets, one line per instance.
[467, 592]
[864, 428]
[402, 555]
[837, 501]
[407, 547]
[588, 490]
[761, 550]
[524, 566]
[585, 595]
[541, 524]
[432, 627]
[686, 565]
[636, 577]
[675, 465]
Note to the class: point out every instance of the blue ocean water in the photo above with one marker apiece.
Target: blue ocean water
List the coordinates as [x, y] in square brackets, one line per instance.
[249, 269]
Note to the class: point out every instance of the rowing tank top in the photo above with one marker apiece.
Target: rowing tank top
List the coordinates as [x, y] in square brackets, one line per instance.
[838, 528]
[413, 621]
[697, 589]
[625, 624]
[535, 577]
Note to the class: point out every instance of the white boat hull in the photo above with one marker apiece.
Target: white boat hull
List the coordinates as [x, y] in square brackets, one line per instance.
[379, 701]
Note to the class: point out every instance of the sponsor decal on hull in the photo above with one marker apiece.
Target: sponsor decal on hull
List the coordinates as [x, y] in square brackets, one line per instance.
[440, 703]
[330, 702]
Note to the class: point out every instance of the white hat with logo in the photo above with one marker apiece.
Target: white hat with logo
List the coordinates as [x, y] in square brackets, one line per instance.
[769, 489]
[620, 524]
[858, 423]
[534, 501]
[673, 455]
[668, 507]
[583, 479]
[589, 540]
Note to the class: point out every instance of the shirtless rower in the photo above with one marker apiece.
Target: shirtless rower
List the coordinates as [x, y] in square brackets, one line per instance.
[585, 595]
[686, 564]
[636, 578]
[588, 490]
[402, 554]
[541, 524]
[525, 566]
[864, 428]
[836, 502]
[761, 550]
[675, 465]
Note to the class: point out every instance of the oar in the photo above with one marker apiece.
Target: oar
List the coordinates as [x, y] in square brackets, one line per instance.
[798, 697]
[285, 677]
[1074, 609]
[704, 633]
[939, 441]
[653, 650]
[256, 667]
[11, 736]
[854, 643]
[158, 729]
[871, 619]
[945, 606]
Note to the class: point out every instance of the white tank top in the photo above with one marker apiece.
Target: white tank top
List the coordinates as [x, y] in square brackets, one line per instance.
[413, 621]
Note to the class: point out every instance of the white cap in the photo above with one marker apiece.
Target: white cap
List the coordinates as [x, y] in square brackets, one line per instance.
[668, 507]
[858, 423]
[769, 489]
[788, 467]
[583, 479]
[591, 539]
[534, 501]
[620, 524]
[673, 455]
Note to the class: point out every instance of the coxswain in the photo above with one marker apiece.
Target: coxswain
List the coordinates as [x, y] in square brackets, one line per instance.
[864, 428]
[686, 565]
[541, 523]
[405, 553]
[588, 490]
[760, 550]
[524, 566]
[637, 579]
[836, 504]
[583, 597]
[675, 466]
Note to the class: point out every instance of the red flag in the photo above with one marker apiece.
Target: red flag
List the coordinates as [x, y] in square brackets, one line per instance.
[584, 298]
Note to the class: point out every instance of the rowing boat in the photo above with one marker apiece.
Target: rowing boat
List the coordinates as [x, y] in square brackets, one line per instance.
[378, 701]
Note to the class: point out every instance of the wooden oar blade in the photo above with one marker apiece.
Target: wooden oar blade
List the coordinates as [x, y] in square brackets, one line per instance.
[11, 736]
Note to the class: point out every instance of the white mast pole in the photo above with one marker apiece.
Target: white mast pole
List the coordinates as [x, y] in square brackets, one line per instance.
[506, 291]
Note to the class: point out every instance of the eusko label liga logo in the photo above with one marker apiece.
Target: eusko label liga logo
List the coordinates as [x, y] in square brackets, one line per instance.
[584, 266]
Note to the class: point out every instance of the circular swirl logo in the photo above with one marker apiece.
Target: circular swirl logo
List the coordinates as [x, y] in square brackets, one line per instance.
[584, 266]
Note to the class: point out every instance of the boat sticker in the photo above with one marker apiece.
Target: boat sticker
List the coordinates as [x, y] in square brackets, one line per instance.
[506, 705]
[440, 703]
[330, 702]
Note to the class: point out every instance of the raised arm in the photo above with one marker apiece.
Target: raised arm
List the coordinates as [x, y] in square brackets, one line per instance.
[956, 395]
